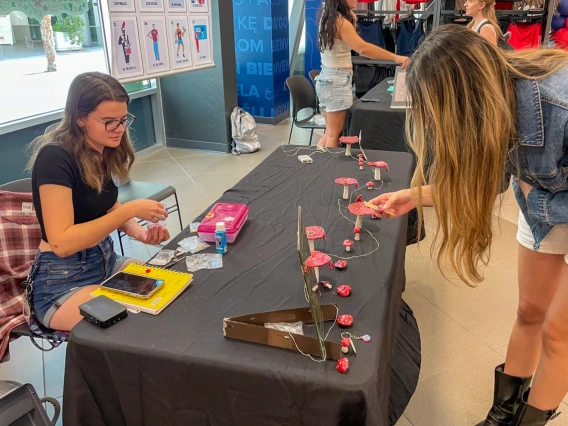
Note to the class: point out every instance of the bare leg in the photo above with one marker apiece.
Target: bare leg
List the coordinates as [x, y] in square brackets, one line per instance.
[335, 122]
[539, 277]
[67, 316]
[323, 139]
[550, 383]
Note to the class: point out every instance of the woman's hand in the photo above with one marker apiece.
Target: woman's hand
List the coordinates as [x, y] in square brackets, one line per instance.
[403, 61]
[149, 210]
[152, 236]
[394, 204]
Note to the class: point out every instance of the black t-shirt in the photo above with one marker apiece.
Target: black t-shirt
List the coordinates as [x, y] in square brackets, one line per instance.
[55, 165]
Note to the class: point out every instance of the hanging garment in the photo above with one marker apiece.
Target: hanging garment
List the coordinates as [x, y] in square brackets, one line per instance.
[371, 32]
[524, 35]
[409, 36]
[388, 37]
[503, 5]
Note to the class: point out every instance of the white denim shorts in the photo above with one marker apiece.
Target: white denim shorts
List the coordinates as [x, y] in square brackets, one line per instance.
[333, 87]
[556, 242]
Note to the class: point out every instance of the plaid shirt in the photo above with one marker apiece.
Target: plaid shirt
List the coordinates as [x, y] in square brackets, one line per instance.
[20, 236]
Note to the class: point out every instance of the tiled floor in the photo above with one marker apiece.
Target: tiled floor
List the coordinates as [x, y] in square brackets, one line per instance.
[464, 330]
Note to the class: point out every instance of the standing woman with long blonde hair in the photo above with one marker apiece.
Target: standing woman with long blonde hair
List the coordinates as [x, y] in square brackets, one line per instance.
[336, 38]
[484, 20]
[478, 112]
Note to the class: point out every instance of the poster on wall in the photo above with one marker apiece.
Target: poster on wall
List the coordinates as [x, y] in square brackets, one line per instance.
[121, 6]
[179, 41]
[153, 30]
[127, 58]
[201, 39]
[198, 6]
[177, 6]
[151, 5]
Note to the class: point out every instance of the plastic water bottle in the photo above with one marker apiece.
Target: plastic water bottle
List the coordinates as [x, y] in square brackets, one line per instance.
[220, 238]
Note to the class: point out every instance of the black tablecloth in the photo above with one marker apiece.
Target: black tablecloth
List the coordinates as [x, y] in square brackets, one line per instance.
[178, 369]
[381, 127]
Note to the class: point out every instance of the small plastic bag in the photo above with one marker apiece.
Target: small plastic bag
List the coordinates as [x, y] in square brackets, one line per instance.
[193, 226]
[160, 223]
[162, 258]
[193, 244]
[204, 261]
[290, 327]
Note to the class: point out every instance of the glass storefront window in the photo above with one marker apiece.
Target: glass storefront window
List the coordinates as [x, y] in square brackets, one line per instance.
[35, 81]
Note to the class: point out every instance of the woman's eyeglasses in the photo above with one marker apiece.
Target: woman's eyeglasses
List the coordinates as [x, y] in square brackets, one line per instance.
[112, 125]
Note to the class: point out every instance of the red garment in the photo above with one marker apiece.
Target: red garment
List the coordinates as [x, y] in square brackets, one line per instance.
[560, 37]
[525, 35]
[503, 5]
[20, 236]
[154, 34]
[366, 1]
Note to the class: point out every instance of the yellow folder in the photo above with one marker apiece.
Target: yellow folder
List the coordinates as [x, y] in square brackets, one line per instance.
[174, 284]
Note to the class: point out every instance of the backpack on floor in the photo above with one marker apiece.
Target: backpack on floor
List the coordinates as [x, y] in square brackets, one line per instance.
[243, 129]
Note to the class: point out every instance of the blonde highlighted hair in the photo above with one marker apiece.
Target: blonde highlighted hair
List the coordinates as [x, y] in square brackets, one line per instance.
[462, 126]
[86, 93]
[491, 16]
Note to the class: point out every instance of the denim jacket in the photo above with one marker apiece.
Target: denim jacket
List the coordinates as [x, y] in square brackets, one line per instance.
[541, 159]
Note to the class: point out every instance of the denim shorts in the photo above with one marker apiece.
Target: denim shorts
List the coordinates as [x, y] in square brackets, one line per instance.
[333, 87]
[556, 242]
[55, 279]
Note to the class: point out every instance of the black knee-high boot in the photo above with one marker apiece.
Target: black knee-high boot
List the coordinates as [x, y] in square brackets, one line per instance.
[527, 415]
[507, 397]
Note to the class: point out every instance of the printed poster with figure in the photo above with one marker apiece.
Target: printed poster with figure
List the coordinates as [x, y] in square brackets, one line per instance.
[153, 32]
[179, 41]
[127, 59]
[201, 39]
[177, 6]
[199, 6]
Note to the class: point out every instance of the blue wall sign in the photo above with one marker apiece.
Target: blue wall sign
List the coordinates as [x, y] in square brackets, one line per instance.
[262, 52]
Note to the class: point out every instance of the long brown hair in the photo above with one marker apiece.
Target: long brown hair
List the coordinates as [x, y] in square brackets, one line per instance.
[462, 125]
[330, 12]
[86, 93]
[491, 16]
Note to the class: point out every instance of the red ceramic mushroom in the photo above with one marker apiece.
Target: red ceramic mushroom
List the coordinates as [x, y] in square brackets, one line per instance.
[357, 232]
[342, 365]
[344, 290]
[346, 182]
[340, 265]
[345, 321]
[370, 185]
[314, 233]
[360, 210]
[349, 140]
[327, 285]
[316, 260]
[359, 198]
[378, 165]
[345, 343]
[347, 244]
[361, 164]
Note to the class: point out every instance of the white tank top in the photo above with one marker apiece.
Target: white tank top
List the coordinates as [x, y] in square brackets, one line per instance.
[339, 56]
[478, 26]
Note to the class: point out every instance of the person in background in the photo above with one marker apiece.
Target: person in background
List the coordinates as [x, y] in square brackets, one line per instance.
[336, 38]
[74, 169]
[484, 19]
[477, 113]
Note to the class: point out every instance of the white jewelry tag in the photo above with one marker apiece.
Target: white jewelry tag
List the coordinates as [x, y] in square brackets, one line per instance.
[27, 208]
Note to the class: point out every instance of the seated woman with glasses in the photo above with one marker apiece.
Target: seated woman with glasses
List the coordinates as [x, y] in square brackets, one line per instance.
[75, 167]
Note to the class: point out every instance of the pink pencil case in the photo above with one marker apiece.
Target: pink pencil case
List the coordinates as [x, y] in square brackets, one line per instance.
[234, 216]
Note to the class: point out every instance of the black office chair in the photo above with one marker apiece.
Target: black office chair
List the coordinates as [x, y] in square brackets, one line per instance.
[134, 190]
[313, 74]
[303, 96]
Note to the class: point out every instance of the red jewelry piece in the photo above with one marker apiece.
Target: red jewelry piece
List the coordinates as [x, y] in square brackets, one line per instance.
[345, 343]
[341, 265]
[342, 365]
[344, 290]
[345, 321]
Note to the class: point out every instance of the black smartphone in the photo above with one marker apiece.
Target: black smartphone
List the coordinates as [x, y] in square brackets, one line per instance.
[132, 285]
